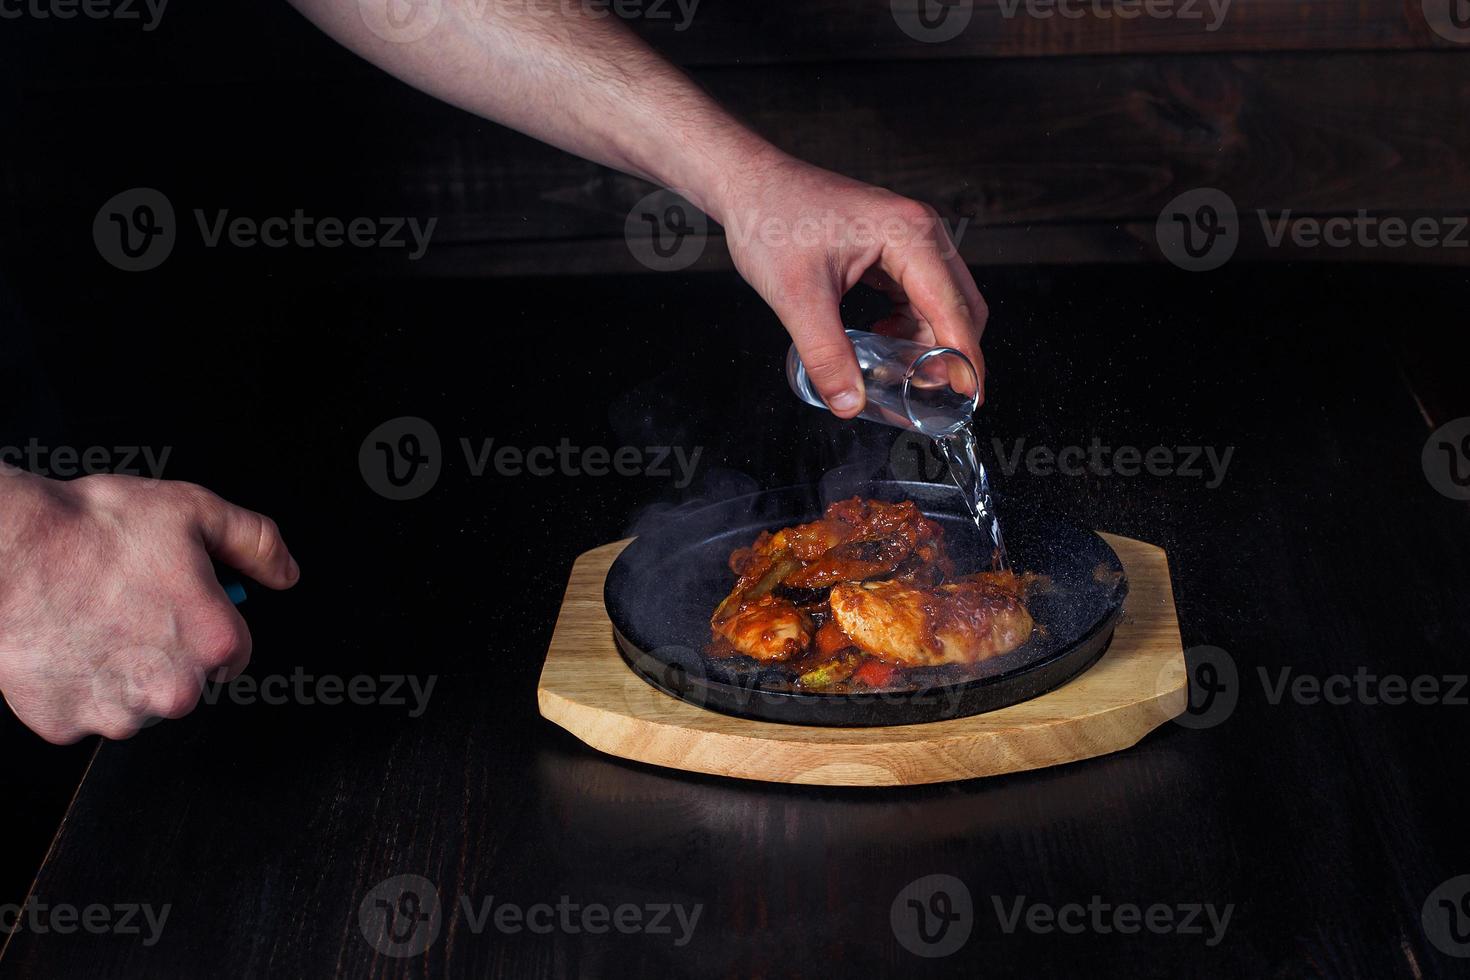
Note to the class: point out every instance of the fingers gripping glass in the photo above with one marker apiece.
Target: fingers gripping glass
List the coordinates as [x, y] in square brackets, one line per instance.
[932, 390]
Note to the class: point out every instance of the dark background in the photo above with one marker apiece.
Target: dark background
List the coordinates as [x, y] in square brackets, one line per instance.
[529, 321]
[1059, 139]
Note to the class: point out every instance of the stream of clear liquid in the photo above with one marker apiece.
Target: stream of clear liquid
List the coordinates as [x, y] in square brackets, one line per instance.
[958, 449]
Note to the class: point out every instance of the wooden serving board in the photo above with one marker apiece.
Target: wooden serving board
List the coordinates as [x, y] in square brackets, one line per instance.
[1140, 683]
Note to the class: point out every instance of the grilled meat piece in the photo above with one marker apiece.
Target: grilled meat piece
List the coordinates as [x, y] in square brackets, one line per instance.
[768, 628]
[963, 622]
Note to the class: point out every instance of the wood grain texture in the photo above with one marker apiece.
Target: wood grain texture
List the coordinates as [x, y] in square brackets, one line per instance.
[1118, 243]
[1323, 550]
[1139, 684]
[1046, 160]
[1056, 161]
[732, 32]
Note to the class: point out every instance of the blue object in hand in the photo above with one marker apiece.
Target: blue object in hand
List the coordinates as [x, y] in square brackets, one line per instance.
[234, 589]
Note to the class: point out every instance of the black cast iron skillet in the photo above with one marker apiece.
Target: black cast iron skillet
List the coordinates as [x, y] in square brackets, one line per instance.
[662, 589]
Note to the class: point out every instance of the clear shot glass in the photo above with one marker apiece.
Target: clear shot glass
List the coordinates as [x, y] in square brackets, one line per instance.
[932, 390]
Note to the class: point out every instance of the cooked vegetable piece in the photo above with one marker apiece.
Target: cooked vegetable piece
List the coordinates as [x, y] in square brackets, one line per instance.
[874, 673]
[831, 672]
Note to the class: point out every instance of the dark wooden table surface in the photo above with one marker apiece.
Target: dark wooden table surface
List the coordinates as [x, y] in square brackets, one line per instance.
[1322, 829]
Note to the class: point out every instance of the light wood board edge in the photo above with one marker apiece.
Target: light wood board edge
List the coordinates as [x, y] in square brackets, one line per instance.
[1139, 684]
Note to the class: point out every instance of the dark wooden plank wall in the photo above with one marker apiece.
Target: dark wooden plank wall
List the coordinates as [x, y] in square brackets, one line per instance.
[1059, 160]
[1054, 155]
[1058, 140]
[722, 32]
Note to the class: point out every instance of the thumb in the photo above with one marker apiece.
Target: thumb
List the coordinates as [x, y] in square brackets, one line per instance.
[248, 542]
[815, 326]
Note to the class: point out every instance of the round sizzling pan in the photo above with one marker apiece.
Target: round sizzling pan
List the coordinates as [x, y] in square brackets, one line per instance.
[663, 588]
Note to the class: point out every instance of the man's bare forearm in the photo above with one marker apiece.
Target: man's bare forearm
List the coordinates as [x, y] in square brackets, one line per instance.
[569, 74]
[566, 74]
